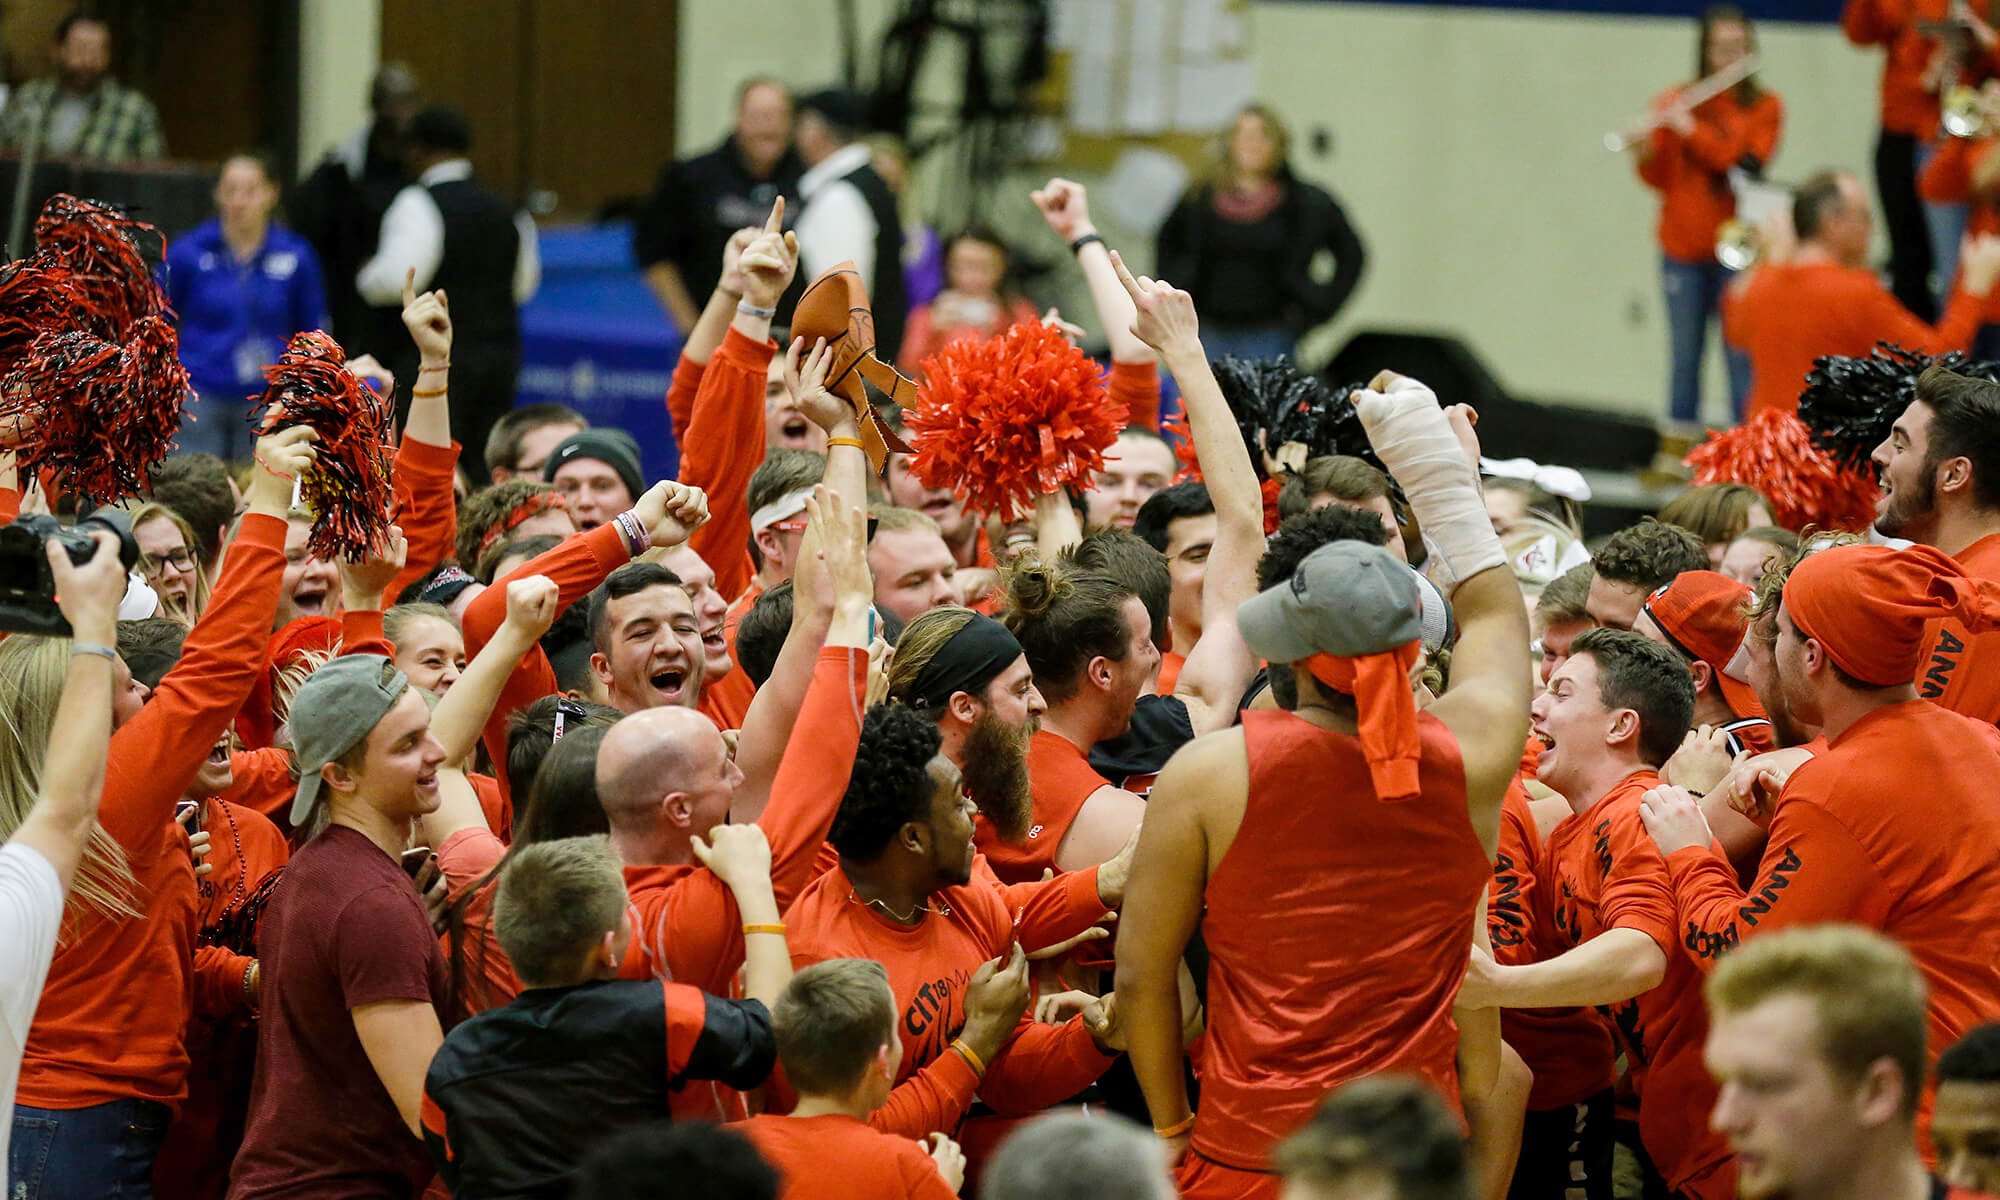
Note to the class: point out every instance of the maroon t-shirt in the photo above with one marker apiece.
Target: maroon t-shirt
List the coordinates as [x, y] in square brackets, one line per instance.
[345, 928]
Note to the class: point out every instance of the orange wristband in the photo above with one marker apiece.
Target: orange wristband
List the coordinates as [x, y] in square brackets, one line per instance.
[841, 441]
[1177, 1128]
[971, 1059]
[427, 393]
[778, 929]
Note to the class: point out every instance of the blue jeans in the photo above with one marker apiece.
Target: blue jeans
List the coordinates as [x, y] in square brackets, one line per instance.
[1946, 225]
[1272, 341]
[1694, 297]
[104, 1152]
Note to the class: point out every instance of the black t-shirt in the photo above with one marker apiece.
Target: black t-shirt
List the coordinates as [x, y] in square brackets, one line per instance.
[517, 1097]
[1160, 726]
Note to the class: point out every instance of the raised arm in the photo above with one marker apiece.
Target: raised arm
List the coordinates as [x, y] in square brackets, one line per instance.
[725, 437]
[1066, 207]
[1435, 457]
[58, 827]
[1219, 666]
[775, 710]
[154, 755]
[705, 334]
[460, 716]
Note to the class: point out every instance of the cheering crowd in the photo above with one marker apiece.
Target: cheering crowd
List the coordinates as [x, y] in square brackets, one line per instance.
[993, 785]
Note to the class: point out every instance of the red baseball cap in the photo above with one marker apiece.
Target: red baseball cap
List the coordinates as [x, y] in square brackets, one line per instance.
[1701, 614]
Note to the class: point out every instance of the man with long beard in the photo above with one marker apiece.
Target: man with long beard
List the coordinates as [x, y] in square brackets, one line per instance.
[968, 674]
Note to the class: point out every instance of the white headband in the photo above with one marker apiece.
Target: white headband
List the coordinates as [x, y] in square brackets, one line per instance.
[1556, 481]
[791, 504]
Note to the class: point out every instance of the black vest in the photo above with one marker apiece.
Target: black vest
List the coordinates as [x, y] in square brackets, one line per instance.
[481, 246]
[888, 294]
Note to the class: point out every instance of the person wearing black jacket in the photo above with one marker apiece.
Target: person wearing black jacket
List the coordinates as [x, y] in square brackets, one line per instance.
[698, 202]
[1243, 245]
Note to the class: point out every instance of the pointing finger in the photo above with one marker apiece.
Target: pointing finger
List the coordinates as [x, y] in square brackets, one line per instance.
[410, 288]
[776, 220]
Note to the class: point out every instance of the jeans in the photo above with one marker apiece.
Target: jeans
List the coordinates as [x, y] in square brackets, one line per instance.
[1946, 225]
[104, 1152]
[1271, 341]
[1694, 297]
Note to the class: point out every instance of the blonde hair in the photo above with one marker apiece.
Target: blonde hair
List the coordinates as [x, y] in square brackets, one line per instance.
[1864, 987]
[920, 642]
[830, 1021]
[31, 685]
[140, 512]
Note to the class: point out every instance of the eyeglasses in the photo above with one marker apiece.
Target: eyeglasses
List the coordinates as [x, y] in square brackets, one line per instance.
[178, 558]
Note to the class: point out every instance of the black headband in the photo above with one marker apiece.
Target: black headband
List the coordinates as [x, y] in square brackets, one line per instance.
[979, 651]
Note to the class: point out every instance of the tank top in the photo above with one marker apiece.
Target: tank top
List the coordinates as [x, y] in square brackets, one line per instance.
[1338, 927]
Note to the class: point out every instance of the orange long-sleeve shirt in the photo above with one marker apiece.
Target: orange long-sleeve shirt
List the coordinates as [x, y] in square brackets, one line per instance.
[1908, 106]
[1785, 315]
[115, 1008]
[1692, 173]
[1136, 385]
[1568, 1049]
[1853, 840]
[1961, 669]
[1608, 874]
[724, 445]
[426, 508]
[685, 925]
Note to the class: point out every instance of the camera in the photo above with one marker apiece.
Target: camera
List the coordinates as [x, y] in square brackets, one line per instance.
[28, 587]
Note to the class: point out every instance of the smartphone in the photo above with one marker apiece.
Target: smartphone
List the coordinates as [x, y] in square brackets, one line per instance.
[415, 859]
[188, 813]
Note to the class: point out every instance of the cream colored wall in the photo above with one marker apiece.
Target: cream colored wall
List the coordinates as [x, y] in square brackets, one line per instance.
[1468, 150]
[1467, 147]
[339, 46]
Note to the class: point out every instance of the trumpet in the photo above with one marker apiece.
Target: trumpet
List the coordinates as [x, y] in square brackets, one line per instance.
[1740, 241]
[1697, 93]
[1963, 112]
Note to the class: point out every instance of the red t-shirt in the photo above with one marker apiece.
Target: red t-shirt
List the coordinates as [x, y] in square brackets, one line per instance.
[1609, 875]
[929, 964]
[1895, 827]
[345, 929]
[485, 978]
[1961, 669]
[1061, 779]
[1568, 1049]
[836, 1157]
[1170, 672]
[1337, 932]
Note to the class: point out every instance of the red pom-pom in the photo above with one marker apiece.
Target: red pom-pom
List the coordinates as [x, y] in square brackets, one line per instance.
[1773, 452]
[1015, 416]
[100, 415]
[348, 486]
[36, 297]
[98, 245]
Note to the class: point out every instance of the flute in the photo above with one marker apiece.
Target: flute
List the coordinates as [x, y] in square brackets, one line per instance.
[1697, 93]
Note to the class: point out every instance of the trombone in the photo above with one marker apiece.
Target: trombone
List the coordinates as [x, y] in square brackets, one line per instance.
[1699, 92]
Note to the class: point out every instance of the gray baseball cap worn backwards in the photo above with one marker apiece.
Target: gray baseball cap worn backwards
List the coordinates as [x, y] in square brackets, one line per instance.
[334, 710]
[1346, 599]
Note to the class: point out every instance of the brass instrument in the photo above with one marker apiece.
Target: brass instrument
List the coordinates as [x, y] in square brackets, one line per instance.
[1737, 244]
[1699, 92]
[1739, 241]
[1963, 112]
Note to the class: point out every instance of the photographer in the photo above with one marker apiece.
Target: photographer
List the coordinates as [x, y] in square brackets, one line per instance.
[105, 1059]
[46, 843]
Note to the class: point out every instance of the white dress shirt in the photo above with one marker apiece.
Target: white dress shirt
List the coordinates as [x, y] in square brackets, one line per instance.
[837, 224]
[413, 236]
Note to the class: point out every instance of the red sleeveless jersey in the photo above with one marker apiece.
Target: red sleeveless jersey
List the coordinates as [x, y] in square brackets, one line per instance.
[1338, 927]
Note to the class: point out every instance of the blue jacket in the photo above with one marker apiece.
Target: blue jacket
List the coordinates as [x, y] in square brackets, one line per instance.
[235, 319]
